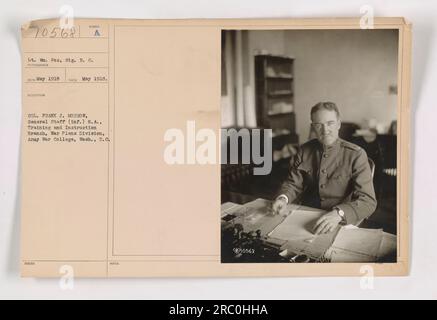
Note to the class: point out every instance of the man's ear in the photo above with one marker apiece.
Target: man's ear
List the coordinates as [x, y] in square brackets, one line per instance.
[339, 124]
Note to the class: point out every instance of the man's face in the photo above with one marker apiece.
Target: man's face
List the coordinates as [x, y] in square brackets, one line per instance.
[326, 126]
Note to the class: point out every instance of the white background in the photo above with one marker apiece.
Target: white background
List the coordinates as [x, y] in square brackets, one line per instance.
[422, 281]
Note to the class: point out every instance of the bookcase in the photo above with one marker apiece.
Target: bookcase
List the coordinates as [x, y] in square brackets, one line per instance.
[274, 91]
[274, 98]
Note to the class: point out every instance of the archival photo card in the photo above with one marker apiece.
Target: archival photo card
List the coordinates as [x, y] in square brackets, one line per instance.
[215, 147]
[309, 122]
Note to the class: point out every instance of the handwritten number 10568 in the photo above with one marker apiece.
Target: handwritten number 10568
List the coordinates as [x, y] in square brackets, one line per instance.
[55, 32]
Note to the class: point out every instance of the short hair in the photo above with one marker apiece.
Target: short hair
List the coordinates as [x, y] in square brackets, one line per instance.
[331, 106]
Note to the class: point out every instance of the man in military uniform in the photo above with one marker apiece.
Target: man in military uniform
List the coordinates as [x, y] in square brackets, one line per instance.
[329, 173]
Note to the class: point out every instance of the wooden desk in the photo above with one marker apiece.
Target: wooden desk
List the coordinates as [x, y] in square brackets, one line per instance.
[323, 248]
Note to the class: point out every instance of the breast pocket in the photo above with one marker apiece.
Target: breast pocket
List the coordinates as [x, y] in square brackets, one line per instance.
[340, 181]
[306, 171]
[342, 175]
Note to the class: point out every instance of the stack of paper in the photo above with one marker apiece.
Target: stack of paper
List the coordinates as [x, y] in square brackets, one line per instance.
[297, 226]
[257, 215]
[297, 230]
[355, 245]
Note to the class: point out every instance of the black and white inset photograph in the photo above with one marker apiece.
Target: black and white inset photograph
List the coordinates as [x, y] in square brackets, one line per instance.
[309, 146]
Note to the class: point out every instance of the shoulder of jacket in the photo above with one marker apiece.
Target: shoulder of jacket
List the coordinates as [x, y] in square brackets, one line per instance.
[350, 145]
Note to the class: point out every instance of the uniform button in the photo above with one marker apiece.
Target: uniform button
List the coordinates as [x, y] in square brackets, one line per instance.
[323, 170]
[322, 186]
[325, 155]
[322, 199]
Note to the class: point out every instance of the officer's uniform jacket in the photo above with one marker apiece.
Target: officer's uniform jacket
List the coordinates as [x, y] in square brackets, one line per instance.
[334, 176]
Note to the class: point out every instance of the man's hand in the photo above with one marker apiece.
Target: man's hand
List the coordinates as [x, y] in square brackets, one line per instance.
[279, 205]
[327, 223]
